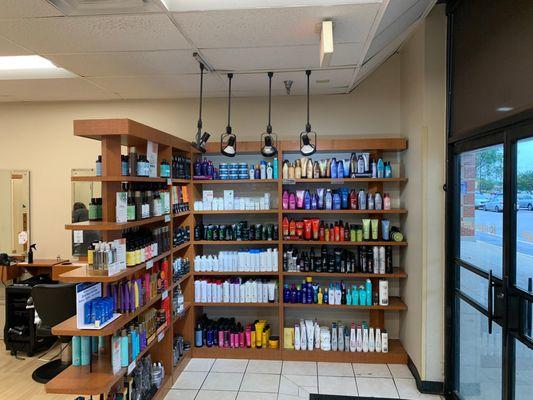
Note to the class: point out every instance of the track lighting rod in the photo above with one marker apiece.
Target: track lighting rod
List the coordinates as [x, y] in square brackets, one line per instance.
[264, 71]
[198, 57]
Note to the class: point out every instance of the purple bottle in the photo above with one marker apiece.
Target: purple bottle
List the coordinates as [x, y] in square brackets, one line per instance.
[197, 168]
[294, 296]
[307, 200]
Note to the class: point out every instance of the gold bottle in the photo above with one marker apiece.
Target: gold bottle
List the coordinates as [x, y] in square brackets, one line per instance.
[285, 169]
[291, 171]
[309, 173]
[298, 170]
[303, 162]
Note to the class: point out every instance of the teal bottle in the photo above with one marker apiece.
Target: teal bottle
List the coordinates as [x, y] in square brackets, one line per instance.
[124, 356]
[368, 289]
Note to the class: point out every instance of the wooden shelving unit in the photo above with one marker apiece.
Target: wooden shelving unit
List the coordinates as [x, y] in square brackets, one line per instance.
[113, 134]
[99, 378]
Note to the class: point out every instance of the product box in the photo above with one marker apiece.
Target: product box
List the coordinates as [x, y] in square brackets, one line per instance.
[288, 338]
[207, 199]
[122, 207]
[228, 199]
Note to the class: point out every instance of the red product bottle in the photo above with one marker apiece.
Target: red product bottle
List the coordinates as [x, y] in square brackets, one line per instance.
[321, 231]
[336, 231]
[353, 200]
[331, 233]
[341, 232]
[285, 227]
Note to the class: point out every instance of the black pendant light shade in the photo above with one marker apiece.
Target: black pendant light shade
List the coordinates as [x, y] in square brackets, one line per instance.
[269, 140]
[307, 137]
[228, 140]
[201, 138]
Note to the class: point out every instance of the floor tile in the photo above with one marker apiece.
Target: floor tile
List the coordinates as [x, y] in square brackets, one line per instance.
[229, 365]
[190, 380]
[339, 385]
[175, 394]
[371, 370]
[293, 385]
[334, 369]
[216, 395]
[264, 367]
[400, 371]
[407, 390]
[266, 383]
[256, 396]
[299, 368]
[223, 381]
[376, 387]
[199, 364]
[282, 396]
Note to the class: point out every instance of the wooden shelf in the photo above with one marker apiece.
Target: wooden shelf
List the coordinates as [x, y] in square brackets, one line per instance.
[235, 273]
[234, 242]
[397, 273]
[83, 274]
[342, 181]
[321, 242]
[181, 247]
[181, 280]
[180, 366]
[81, 381]
[181, 214]
[250, 353]
[112, 226]
[395, 211]
[395, 355]
[395, 304]
[233, 181]
[254, 305]
[163, 390]
[186, 306]
[223, 212]
[120, 178]
[69, 326]
[181, 181]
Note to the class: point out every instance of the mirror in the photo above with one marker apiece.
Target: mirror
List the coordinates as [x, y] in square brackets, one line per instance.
[82, 193]
[14, 211]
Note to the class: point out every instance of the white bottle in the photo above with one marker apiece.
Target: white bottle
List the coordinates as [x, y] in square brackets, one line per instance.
[269, 171]
[353, 343]
[381, 259]
[296, 337]
[225, 292]
[275, 260]
[204, 291]
[378, 340]
[365, 340]
[384, 342]
[209, 298]
[334, 336]
[197, 263]
[340, 338]
[197, 291]
[303, 336]
[265, 293]
[317, 335]
[383, 292]
[371, 340]
[359, 340]
[375, 256]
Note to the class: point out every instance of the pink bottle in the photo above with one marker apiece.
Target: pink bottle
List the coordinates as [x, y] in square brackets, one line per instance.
[386, 201]
[292, 202]
[285, 200]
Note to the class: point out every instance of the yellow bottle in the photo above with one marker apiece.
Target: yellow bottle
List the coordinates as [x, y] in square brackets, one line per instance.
[320, 296]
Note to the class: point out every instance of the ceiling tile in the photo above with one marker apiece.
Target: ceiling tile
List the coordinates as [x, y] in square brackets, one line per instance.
[276, 26]
[94, 34]
[394, 10]
[282, 57]
[158, 86]
[159, 62]
[8, 48]
[27, 9]
[52, 90]
[207, 5]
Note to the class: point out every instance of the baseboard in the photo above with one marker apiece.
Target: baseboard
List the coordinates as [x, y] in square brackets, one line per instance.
[428, 387]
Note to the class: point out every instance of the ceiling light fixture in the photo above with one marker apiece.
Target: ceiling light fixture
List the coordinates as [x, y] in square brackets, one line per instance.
[307, 146]
[269, 139]
[201, 138]
[504, 109]
[228, 140]
[326, 43]
[30, 67]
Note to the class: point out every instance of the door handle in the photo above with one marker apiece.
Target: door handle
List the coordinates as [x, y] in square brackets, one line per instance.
[489, 301]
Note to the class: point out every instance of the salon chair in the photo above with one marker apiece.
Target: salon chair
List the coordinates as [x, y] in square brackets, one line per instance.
[54, 303]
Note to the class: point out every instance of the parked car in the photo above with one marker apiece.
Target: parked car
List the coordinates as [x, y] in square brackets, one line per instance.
[525, 201]
[494, 204]
[480, 200]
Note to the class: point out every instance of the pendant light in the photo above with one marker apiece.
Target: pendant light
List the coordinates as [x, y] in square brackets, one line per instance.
[201, 139]
[228, 140]
[307, 141]
[268, 138]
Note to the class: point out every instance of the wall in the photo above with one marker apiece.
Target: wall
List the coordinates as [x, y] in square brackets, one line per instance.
[423, 84]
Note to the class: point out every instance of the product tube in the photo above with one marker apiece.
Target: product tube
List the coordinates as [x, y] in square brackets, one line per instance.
[384, 342]
[340, 338]
[375, 224]
[310, 333]
[325, 339]
[359, 340]
[303, 335]
[371, 340]
[259, 326]
[297, 337]
[366, 229]
[378, 340]
[271, 290]
[334, 336]
[353, 343]
[385, 229]
[365, 339]
[317, 335]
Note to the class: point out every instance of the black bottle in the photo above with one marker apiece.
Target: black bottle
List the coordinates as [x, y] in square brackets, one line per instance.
[388, 260]
[362, 259]
[306, 263]
[198, 231]
[369, 260]
[312, 265]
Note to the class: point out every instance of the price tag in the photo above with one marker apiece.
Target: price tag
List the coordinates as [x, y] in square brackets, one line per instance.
[131, 367]
[164, 295]
[289, 182]
[78, 237]
[23, 237]
[160, 336]
[169, 181]
[337, 181]
[149, 264]
[167, 218]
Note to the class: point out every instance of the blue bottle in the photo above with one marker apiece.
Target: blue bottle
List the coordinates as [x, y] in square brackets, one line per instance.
[345, 194]
[124, 166]
[85, 350]
[133, 343]
[275, 168]
[380, 168]
[325, 297]
[304, 294]
[314, 202]
[336, 201]
[340, 169]
[333, 168]
[368, 289]
[307, 200]
[210, 337]
[286, 293]
[329, 200]
[294, 294]
[388, 170]
[76, 350]
[355, 296]
[198, 336]
[98, 166]
[124, 356]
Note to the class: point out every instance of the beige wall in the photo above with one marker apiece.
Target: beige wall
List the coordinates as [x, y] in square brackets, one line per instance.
[423, 83]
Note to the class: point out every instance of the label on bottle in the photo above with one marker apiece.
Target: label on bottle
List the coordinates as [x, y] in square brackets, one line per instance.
[164, 295]
[289, 181]
[169, 182]
[131, 367]
[337, 181]
[149, 264]
[160, 336]
[167, 218]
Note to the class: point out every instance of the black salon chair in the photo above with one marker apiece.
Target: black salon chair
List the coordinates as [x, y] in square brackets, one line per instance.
[54, 303]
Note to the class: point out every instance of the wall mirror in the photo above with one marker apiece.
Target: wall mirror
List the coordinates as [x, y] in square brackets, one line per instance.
[14, 211]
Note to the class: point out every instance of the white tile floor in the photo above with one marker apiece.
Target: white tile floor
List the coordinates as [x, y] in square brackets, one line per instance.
[223, 379]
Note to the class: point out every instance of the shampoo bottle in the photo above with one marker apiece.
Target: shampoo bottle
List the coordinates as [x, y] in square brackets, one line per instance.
[353, 343]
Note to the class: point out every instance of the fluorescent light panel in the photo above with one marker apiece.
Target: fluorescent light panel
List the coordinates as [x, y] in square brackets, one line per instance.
[209, 5]
[326, 43]
[30, 67]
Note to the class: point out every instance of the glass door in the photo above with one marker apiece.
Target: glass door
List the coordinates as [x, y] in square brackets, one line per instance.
[490, 267]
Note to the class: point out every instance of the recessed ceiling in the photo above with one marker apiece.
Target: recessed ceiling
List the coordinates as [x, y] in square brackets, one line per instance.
[122, 49]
